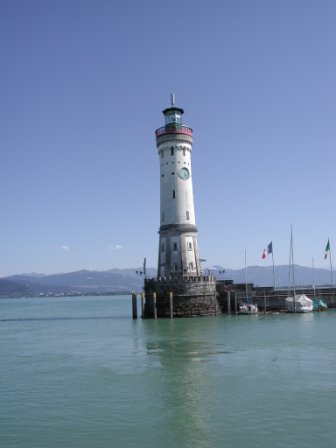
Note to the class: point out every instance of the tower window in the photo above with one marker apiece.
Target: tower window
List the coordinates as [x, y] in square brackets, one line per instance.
[173, 194]
[173, 172]
[172, 150]
[187, 214]
[162, 247]
[189, 246]
[184, 151]
[191, 266]
[175, 246]
[175, 266]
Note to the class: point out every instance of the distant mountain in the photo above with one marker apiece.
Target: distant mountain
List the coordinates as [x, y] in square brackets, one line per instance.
[263, 276]
[127, 280]
[79, 282]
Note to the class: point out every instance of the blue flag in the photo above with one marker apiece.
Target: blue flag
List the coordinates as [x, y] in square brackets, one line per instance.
[270, 248]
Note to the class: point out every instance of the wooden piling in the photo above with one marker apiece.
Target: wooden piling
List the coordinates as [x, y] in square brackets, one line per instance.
[134, 305]
[228, 298]
[235, 301]
[154, 306]
[264, 303]
[142, 305]
[171, 305]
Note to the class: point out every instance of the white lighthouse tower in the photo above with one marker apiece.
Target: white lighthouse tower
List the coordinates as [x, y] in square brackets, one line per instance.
[180, 288]
[178, 247]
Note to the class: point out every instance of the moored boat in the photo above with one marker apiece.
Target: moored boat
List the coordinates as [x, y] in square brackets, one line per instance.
[301, 304]
[248, 308]
[319, 304]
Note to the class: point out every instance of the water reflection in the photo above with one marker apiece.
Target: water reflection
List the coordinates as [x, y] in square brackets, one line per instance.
[182, 381]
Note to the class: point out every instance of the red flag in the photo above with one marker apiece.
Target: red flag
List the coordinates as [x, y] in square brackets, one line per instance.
[264, 254]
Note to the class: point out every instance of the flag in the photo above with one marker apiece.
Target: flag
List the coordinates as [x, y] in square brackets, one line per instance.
[267, 251]
[327, 249]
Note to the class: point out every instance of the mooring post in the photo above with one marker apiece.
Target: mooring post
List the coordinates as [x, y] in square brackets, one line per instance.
[154, 306]
[235, 301]
[228, 298]
[142, 305]
[264, 303]
[171, 306]
[134, 305]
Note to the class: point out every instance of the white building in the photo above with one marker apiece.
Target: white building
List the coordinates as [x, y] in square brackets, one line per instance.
[178, 247]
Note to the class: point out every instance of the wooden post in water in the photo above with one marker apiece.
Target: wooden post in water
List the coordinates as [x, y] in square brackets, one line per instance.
[228, 298]
[142, 304]
[134, 305]
[171, 305]
[154, 306]
[235, 301]
[264, 303]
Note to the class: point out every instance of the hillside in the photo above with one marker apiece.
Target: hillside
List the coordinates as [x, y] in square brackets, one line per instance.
[127, 280]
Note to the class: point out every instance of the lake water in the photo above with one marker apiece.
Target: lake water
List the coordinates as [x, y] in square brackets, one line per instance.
[79, 372]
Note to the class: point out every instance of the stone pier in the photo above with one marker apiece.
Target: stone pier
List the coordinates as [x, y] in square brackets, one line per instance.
[193, 296]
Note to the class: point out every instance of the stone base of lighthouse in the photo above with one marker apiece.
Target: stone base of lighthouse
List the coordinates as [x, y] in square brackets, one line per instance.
[192, 296]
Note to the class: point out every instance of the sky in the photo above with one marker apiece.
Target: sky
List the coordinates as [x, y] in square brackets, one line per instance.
[82, 87]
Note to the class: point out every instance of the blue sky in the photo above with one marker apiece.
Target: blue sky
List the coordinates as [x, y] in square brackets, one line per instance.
[83, 86]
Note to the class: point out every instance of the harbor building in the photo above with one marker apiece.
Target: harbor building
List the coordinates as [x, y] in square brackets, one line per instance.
[179, 269]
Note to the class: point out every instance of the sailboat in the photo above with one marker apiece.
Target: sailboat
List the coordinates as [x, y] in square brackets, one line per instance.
[296, 303]
[247, 307]
[318, 302]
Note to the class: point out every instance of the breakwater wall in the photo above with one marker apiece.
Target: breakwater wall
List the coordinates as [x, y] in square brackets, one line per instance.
[272, 299]
[188, 296]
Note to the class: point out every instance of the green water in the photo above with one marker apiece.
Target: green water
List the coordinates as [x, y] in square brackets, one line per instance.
[79, 372]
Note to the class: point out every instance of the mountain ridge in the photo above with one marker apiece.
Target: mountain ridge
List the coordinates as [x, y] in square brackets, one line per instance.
[123, 281]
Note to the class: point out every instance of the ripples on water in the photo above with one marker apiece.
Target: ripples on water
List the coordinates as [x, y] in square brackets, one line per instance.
[79, 372]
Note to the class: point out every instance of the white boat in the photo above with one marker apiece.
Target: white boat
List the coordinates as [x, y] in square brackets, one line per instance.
[302, 304]
[248, 308]
[296, 303]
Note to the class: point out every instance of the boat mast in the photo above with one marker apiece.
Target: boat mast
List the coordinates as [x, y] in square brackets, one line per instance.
[292, 266]
[245, 278]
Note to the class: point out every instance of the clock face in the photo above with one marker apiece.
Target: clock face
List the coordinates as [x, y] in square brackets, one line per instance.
[184, 173]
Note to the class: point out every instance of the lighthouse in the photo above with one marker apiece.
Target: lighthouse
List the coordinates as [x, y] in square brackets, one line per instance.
[179, 272]
[178, 247]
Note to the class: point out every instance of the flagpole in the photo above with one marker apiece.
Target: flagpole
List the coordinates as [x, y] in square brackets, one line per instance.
[331, 268]
[313, 277]
[273, 269]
